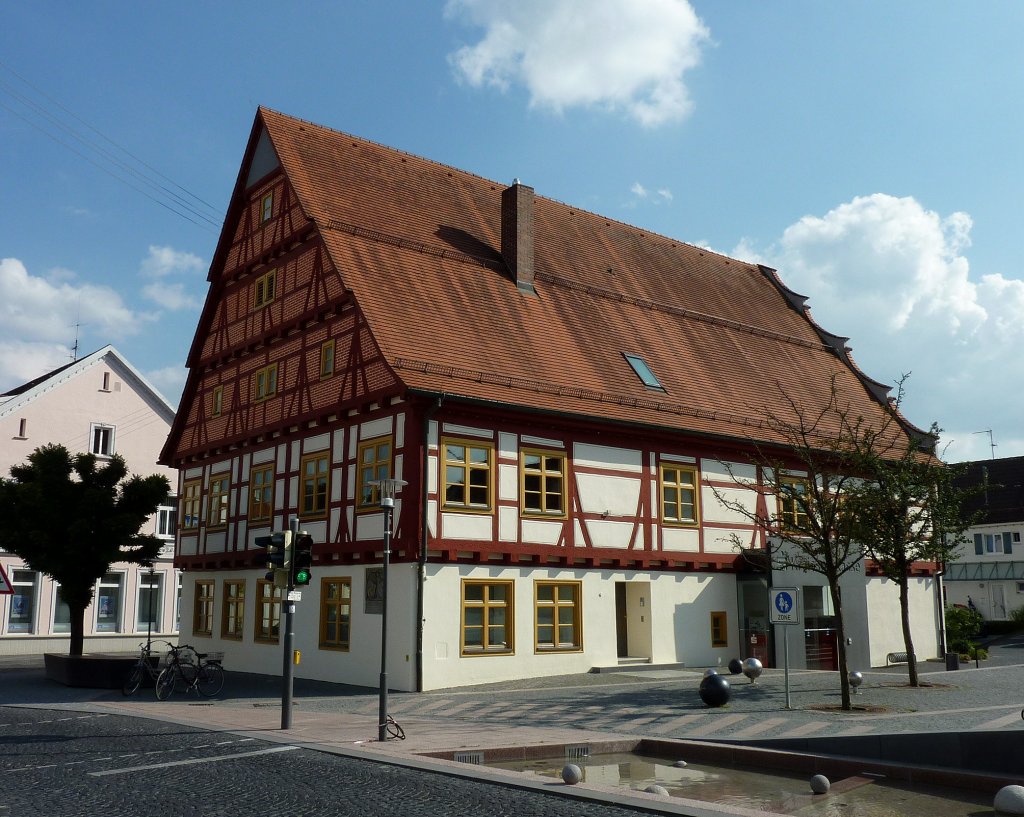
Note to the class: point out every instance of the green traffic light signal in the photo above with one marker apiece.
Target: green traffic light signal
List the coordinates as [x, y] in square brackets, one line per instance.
[302, 560]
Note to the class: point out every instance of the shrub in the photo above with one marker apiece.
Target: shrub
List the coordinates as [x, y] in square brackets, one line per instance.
[962, 625]
[1017, 616]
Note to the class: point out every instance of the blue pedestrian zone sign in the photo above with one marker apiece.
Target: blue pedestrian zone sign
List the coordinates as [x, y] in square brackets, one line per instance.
[784, 606]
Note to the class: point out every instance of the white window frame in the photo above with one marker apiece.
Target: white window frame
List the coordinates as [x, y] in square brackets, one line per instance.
[33, 613]
[167, 519]
[98, 427]
[156, 582]
[55, 626]
[106, 583]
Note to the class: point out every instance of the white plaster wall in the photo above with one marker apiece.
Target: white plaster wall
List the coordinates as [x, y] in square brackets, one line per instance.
[619, 496]
[884, 623]
[360, 665]
[680, 607]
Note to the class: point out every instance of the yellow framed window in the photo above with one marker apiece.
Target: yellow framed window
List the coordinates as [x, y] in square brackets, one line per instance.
[719, 629]
[543, 483]
[268, 612]
[374, 464]
[264, 289]
[468, 471]
[313, 485]
[679, 495]
[487, 617]
[558, 616]
[794, 499]
[261, 493]
[265, 382]
[335, 613]
[266, 207]
[191, 501]
[327, 359]
[218, 401]
[202, 610]
[232, 619]
[217, 502]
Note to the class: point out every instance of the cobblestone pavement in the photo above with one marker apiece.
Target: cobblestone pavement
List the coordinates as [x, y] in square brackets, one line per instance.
[62, 765]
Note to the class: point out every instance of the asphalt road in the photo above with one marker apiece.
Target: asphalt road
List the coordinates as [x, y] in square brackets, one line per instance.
[64, 764]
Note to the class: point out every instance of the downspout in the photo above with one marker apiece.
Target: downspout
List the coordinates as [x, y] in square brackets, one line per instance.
[421, 570]
[942, 609]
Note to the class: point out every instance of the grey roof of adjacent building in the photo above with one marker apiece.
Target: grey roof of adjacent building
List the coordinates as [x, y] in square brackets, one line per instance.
[1002, 496]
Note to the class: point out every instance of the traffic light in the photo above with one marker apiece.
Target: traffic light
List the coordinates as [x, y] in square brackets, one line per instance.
[279, 551]
[302, 560]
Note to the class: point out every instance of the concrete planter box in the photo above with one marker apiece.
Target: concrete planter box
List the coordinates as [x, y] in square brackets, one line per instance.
[96, 670]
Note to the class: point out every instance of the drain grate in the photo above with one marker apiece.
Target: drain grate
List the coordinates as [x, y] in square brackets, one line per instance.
[577, 752]
[470, 757]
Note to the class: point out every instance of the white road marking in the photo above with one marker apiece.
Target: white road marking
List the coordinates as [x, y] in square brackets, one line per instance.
[193, 761]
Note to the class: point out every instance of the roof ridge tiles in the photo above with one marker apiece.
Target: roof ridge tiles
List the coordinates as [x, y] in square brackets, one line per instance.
[680, 311]
[541, 386]
[409, 244]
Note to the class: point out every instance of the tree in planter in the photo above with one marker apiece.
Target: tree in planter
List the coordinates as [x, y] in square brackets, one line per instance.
[802, 487]
[908, 509]
[72, 516]
[962, 626]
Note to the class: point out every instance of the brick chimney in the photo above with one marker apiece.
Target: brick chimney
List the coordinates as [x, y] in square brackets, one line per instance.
[517, 233]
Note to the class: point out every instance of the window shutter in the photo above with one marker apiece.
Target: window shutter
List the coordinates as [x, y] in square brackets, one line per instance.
[1007, 543]
[979, 547]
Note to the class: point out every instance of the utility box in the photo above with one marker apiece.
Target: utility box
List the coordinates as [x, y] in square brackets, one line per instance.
[952, 661]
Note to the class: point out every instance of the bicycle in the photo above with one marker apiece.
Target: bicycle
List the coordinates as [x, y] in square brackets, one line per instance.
[143, 668]
[194, 670]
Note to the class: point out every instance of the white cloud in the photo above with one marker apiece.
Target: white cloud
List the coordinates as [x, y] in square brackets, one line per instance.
[619, 55]
[640, 193]
[895, 276]
[170, 296]
[164, 261]
[34, 309]
[170, 381]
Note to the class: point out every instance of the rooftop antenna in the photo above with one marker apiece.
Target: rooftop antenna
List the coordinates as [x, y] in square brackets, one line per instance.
[78, 325]
[991, 441]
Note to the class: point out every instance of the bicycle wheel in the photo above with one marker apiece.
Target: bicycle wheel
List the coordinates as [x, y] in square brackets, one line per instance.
[165, 683]
[211, 680]
[133, 681]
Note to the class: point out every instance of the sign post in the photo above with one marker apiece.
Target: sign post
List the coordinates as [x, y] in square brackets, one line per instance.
[784, 608]
[5, 583]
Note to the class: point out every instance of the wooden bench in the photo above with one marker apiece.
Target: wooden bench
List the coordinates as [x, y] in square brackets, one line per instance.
[897, 658]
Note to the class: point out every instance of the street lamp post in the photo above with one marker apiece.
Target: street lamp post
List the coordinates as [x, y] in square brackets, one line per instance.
[387, 489]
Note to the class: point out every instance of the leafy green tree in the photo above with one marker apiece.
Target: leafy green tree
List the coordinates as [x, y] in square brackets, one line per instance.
[907, 509]
[803, 485]
[72, 516]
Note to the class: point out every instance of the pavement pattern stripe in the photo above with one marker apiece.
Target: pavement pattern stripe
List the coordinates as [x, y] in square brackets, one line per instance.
[758, 728]
[193, 761]
[806, 729]
[716, 724]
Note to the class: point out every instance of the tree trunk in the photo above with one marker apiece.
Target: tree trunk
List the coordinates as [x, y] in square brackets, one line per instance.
[908, 638]
[844, 675]
[77, 614]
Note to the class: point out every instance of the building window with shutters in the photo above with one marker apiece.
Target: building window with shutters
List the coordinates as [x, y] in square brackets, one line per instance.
[268, 612]
[202, 610]
[261, 493]
[314, 482]
[233, 613]
[374, 465]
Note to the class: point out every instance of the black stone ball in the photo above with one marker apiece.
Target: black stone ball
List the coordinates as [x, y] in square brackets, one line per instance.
[735, 666]
[714, 690]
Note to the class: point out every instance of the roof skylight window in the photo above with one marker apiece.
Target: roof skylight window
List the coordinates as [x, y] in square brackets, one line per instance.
[643, 371]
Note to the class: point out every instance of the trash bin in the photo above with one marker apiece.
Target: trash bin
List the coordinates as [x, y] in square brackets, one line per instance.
[952, 661]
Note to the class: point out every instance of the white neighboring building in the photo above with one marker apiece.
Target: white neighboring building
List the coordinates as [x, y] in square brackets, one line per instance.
[989, 570]
[99, 403]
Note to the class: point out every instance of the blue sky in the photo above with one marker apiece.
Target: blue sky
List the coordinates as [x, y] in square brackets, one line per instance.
[869, 151]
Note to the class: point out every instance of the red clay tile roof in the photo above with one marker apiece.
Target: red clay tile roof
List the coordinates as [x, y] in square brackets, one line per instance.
[418, 243]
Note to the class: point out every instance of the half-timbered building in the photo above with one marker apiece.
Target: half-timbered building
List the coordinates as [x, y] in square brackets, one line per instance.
[562, 393]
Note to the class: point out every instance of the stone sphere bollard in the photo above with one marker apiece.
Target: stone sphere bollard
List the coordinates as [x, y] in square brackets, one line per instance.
[710, 671]
[820, 784]
[714, 690]
[752, 669]
[735, 666]
[680, 764]
[856, 679]
[571, 774]
[654, 788]
[1009, 800]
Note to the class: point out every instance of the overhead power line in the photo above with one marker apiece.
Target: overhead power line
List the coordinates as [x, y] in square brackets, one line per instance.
[47, 115]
